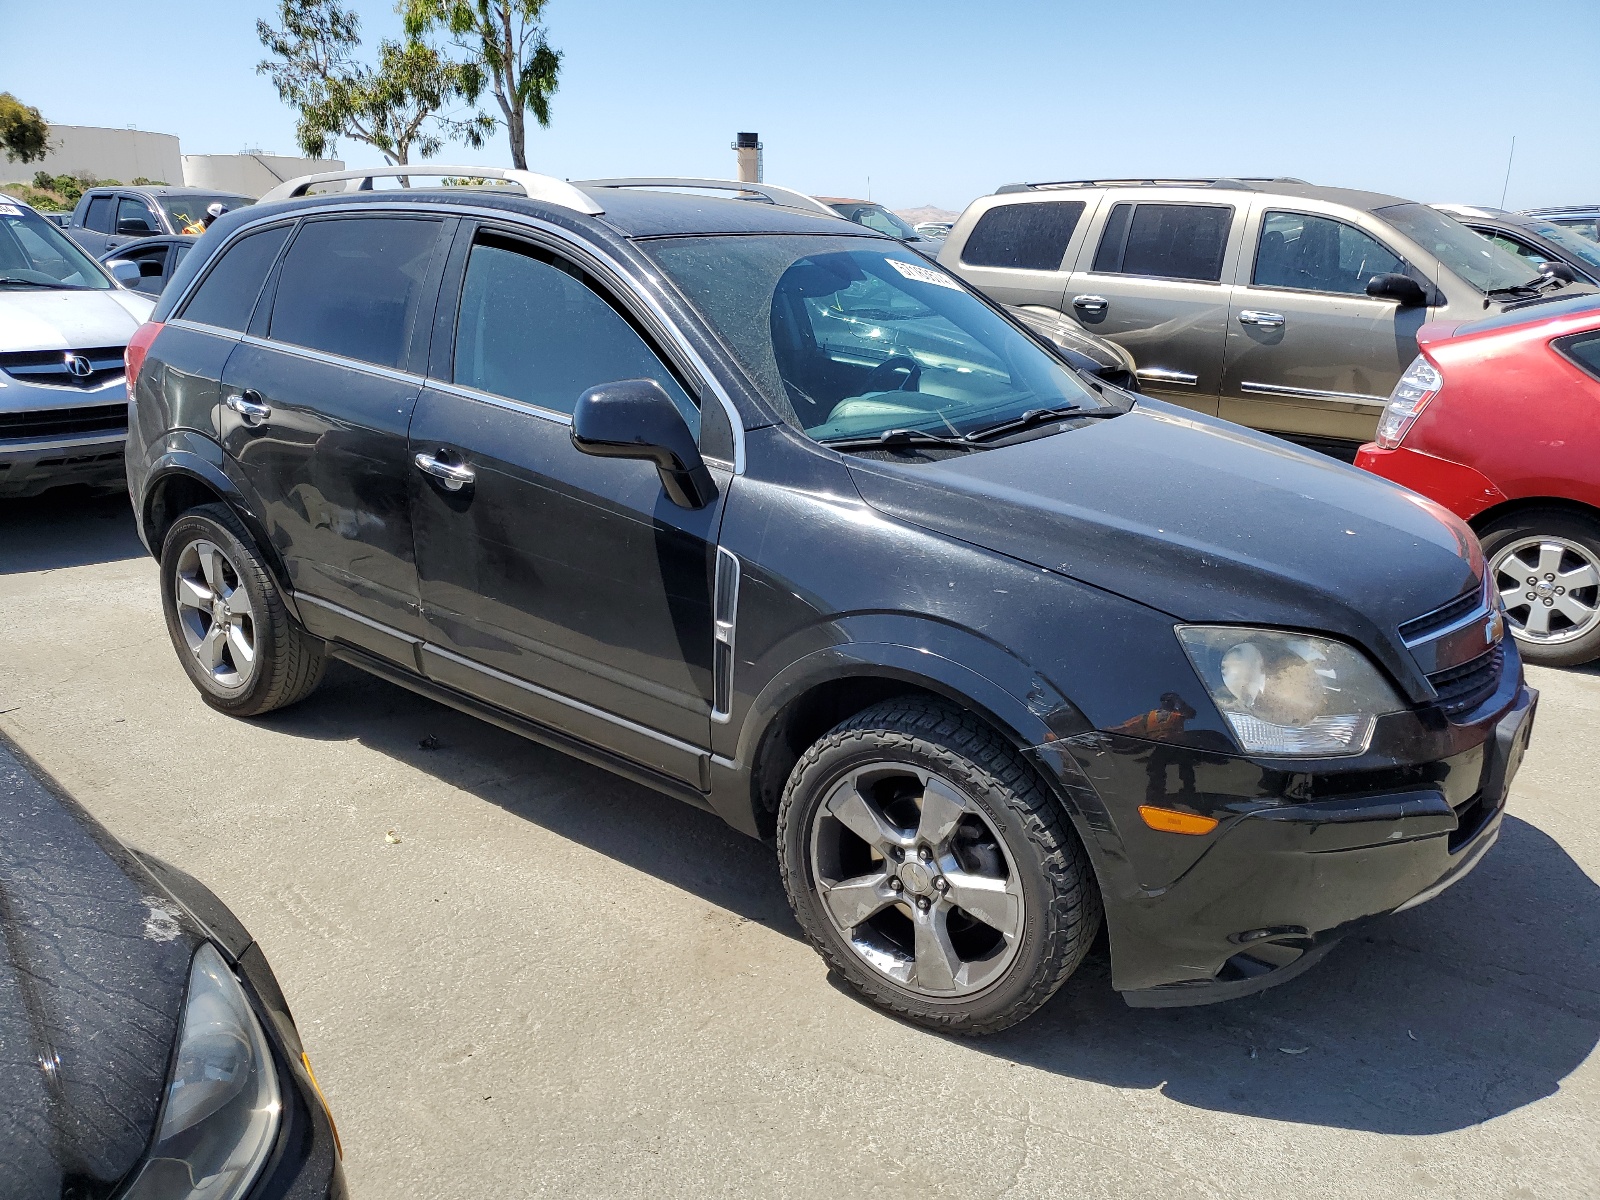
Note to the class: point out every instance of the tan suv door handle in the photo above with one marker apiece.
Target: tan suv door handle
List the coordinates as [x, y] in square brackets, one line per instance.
[1090, 304]
[1267, 320]
[451, 477]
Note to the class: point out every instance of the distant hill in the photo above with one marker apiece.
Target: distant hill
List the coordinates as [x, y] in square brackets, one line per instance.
[926, 213]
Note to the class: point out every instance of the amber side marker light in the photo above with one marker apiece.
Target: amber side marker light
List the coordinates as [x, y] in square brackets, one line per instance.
[1170, 820]
[332, 1124]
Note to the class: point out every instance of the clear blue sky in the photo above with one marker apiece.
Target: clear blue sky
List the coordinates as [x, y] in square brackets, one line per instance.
[936, 101]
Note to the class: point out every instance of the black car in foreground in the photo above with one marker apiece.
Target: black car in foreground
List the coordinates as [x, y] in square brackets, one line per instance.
[146, 1051]
[766, 511]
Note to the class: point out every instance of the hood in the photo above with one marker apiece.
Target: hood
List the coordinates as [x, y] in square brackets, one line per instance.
[68, 319]
[1203, 520]
[94, 961]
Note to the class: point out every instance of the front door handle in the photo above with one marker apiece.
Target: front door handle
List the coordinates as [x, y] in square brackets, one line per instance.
[1266, 320]
[1090, 304]
[248, 405]
[451, 476]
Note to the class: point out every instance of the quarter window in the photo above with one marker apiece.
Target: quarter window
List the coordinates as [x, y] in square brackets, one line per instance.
[534, 328]
[98, 218]
[1583, 349]
[228, 293]
[1027, 237]
[351, 287]
[1316, 254]
[1165, 241]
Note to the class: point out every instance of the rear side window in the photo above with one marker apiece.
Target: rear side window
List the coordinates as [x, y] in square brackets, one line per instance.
[1165, 241]
[532, 329]
[1583, 349]
[1028, 237]
[98, 218]
[1316, 254]
[228, 293]
[351, 287]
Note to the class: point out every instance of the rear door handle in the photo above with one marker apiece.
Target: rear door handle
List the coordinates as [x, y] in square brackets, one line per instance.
[1266, 320]
[451, 476]
[1090, 304]
[248, 405]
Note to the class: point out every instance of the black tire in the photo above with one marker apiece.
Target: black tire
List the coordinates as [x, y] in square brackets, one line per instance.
[1572, 645]
[288, 662]
[1060, 902]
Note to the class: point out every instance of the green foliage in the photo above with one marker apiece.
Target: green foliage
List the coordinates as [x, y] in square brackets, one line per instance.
[505, 48]
[24, 136]
[141, 181]
[397, 107]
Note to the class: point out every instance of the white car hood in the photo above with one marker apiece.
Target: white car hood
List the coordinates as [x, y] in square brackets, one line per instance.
[35, 319]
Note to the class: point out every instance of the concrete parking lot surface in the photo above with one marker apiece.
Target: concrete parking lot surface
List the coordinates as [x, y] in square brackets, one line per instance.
[520, 976]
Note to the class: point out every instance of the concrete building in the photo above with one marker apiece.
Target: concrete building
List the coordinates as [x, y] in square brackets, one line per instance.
[250, 174]
[748, 153]
[123, 154]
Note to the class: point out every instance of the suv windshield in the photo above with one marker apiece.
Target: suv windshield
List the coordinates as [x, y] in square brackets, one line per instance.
[188, 212]
[875, 217]
[1475, 259]
[34, 253]
[854, 338]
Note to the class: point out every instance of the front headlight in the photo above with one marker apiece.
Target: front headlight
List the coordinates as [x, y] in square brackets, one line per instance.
[222, 1106]
[1290, 693]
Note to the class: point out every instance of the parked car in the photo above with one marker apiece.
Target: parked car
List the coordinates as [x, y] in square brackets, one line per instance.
[879, 218]
[108, 217]
[155, 259]
[146, 1047]
[64, 324]
[60, 220]
[1541, 243]
[1583, 219]
[934, 229]
[1496, 420]
[761, 509]
[1282, 306]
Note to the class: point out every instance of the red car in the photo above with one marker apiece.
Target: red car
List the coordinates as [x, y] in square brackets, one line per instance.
[1499, 421]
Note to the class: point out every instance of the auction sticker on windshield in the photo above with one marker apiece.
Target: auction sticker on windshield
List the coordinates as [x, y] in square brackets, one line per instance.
[923, 274]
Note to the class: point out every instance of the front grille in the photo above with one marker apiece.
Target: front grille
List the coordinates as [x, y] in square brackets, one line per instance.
[53, 368]
[64, 422]
[1463, 688]
[1418, 628]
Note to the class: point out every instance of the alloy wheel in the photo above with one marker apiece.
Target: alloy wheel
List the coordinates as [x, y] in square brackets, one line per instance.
[215, 614]
[913, 876]
[1550, 587]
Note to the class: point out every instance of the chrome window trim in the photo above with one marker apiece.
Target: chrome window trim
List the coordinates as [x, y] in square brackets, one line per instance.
[336, 360]
[233, 335]
[1275, 389]
[506, 402]
[564, 238]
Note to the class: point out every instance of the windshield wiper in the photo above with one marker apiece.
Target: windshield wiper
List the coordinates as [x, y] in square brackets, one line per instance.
[1034, 416]
[892, 438]
[1525, 291]
[31, 282]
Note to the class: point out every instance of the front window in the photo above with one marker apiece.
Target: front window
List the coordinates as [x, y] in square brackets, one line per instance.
[852, 340]
[1316, 254]
[876, 218]
[188, 213]
[35, 254]
[1461, 251]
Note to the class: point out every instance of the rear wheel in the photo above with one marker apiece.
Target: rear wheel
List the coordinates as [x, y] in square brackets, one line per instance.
[227, 619]
[1546, 567]
[932, 870]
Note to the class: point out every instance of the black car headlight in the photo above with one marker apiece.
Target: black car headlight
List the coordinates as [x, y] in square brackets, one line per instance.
[222, 1106]
[1290, 694]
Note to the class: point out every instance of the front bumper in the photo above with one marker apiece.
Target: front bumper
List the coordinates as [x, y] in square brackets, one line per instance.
[68, 452]
[1279, 882]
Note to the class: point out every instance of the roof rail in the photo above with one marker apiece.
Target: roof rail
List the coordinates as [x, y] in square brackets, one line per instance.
[536, 187]
[769, 193]
[1217, 181]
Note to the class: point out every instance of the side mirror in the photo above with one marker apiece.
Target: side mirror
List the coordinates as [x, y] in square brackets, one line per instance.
[125, 271]
[1558, 270]
[1402, 289]
[635, 418]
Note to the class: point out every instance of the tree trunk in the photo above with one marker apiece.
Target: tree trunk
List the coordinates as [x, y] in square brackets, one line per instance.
[517, 131]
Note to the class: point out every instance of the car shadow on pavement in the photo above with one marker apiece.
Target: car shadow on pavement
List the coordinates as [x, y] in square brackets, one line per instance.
[66, 527]
[1464, 1009]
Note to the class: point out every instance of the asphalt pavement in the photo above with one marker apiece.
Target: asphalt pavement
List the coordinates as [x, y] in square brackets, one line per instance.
[518, 975]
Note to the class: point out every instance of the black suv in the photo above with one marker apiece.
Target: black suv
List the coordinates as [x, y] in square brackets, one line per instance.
[766, 511]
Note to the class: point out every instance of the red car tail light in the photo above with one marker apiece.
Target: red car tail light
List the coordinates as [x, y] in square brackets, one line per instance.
[1411, 394]
[138, 347]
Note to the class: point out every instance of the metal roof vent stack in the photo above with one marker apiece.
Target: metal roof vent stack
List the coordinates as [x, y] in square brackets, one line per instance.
[747, 146]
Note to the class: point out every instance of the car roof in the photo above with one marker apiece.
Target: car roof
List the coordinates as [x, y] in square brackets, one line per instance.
[1562, 210]
[161, 189]
[631, 212]
[1295, 188]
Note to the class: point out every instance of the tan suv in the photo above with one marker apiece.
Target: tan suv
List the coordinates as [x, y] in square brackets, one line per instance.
[1270, 302]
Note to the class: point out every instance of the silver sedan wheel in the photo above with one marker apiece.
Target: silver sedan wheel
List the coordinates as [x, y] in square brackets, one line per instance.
[214, 612]
[914, 877]
[1550, 587]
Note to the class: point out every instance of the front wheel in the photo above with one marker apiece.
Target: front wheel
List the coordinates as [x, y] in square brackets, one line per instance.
[1546, 567]
[929, 866]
